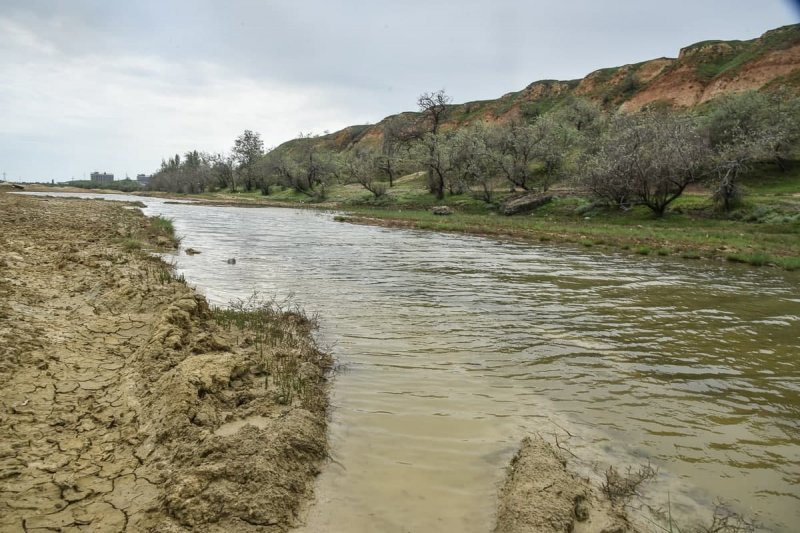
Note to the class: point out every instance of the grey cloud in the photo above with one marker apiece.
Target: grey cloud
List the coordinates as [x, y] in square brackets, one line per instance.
[125, 83]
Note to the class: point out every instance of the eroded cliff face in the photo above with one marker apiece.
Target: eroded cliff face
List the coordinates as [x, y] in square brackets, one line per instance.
[705, 71]
[700, 73]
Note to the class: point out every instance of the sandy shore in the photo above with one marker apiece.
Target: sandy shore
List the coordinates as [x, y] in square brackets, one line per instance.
[124, 405]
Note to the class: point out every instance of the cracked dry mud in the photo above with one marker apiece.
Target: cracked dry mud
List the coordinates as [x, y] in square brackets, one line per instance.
[115, 380]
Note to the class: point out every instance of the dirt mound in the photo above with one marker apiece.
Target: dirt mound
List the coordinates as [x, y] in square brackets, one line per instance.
[124, 405]
[540, 495]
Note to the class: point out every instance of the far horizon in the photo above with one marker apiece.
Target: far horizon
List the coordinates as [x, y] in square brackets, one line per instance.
[116, 88]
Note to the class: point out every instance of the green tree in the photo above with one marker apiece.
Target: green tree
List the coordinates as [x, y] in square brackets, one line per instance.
[247, 150]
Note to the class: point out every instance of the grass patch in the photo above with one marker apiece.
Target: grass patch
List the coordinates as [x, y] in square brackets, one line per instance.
[755, 258]
[788, 263]
[162, 231]
[130, 244]
[643, 250]
[280, 334]
[163, 225]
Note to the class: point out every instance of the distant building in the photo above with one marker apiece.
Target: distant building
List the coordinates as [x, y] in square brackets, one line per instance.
[102, 177]
[143, 179]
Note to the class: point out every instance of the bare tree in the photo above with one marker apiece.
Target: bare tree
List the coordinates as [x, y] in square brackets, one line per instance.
[433, 107]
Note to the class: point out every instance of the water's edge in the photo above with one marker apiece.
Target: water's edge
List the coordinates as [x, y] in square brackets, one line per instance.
[454, 347]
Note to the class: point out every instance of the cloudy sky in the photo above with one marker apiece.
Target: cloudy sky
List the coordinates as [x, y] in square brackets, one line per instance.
[117, 85]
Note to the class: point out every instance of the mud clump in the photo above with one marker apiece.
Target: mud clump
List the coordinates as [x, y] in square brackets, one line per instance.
[116, 381]
[540, 495]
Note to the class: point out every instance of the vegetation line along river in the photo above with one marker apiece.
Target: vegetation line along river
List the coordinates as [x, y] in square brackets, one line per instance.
[453, 348]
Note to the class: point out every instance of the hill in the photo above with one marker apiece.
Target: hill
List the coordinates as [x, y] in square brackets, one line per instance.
[700, 73]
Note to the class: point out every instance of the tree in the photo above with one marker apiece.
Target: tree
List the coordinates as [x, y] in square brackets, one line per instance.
[513, 149]
[397, 134]
[433, 110]
[772, 120]
[648, 157]
[553, 141]
[434, 153]
[433, 107]
[472, 160]
[304, 167]
[247, 150]
[361, 167]
[583, 115]
[222, 171]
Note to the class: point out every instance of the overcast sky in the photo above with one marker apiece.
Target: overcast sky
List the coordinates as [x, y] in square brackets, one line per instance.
[117, 85]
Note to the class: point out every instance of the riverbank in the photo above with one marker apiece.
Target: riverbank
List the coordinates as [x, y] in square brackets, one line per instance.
[127, 403]
[764, 231]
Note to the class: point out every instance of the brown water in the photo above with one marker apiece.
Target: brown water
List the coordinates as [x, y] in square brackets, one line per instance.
[452, 348]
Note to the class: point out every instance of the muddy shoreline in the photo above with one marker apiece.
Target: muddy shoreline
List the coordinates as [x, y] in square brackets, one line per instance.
[124, 403]
[541, 495]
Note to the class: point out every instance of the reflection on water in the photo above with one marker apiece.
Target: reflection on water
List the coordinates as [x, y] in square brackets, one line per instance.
[452, 348]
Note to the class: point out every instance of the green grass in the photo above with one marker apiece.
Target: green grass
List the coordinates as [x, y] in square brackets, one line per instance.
[163, 228]
[635, 230]
[754, 258]
[788, 263]
[163, 225]
[130, 244]
[280, 335]
[743, 52]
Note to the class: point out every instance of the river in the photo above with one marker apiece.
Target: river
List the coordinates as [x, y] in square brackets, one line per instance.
[451, 348]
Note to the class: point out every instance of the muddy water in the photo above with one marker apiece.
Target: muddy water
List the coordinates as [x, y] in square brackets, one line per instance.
[452, 348]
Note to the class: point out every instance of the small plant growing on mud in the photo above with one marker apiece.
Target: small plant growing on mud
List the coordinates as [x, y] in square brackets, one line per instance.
[619, 486]
[277, 331]
[161, 272]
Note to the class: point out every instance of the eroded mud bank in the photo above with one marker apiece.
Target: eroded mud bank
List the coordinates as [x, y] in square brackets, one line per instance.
[540, 495]
[123, 403]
